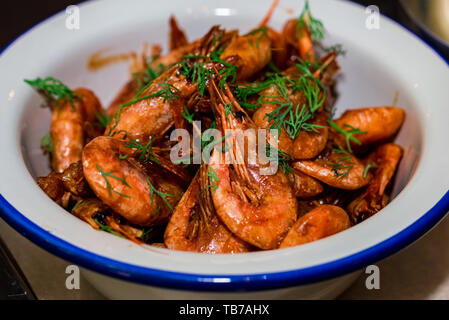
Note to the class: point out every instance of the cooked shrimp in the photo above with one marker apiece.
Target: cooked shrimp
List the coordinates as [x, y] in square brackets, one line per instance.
[307, 144]
[195, 226]
[249, 53]
[305, 186]
[374, 198]
[154, 110]
[257, 208]
[153, 115]
[299, 37]
[321, 222]
[279, 49]
[67, 127]
[125, 186]
[379, 123]
[342, 171]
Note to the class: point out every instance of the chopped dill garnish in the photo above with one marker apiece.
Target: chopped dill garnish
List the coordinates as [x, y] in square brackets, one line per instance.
[213, 179]
[342, 151]
[145, 233]
[228, 72]
[143, 78]
[349, 134]
[293, 118]
[108, 229]
[337, 48]
[108, 184]
[103, 119]
[188, 116]
[228, 108]
[47, 145]
[160, 194]
[283, 160]
[168, 92]
[79, 205]
[263, 33]
[196, 72]
[315, 26]
[54, 91]
[368, 167]
[338, 167]
[145, 152]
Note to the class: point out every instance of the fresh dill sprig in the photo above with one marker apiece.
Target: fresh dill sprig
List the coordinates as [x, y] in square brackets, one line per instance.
[79, 205]
[160, 194]
[244, 91]
[336, 168]
[54, 91]
[168, 92]
[47, 144]
[103, 119]
[263, 33]
[145, 152]
[143, 78]
[228, 108]
[339, 166]
[228, 72]
[311, 86]
[288, 116]
[187, 115]
[283, 160]
[213, 179]
[105, 176]
[145, 232]
[108, 229]
[349, 134]
[315, 26]
[337, 48]
[368, 167]
[197, 72]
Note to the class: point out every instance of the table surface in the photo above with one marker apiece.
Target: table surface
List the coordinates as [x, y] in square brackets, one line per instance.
[418, 272]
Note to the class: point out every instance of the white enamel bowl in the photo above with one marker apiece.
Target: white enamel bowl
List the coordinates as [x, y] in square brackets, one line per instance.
[378, 63]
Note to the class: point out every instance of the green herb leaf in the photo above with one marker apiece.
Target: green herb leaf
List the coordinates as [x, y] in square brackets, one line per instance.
[160, 194]
[348, 134]
[103, 119]
[108, 229]
[105, 176]
[47, 145]
[53, 90]
[368, 167]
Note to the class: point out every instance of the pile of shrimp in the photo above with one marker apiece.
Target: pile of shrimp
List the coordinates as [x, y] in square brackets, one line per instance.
[112, 169]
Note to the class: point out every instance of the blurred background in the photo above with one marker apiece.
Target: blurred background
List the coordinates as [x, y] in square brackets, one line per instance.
[28, 272]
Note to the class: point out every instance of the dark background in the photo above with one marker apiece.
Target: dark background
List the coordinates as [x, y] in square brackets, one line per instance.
[18, 16]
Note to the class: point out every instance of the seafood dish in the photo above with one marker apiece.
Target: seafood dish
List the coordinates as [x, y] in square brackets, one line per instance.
[225, 144]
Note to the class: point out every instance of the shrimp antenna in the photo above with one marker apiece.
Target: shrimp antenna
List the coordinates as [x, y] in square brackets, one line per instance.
[267, 17]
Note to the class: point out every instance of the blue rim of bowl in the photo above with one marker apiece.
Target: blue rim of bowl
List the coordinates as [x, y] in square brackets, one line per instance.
[221, 283]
